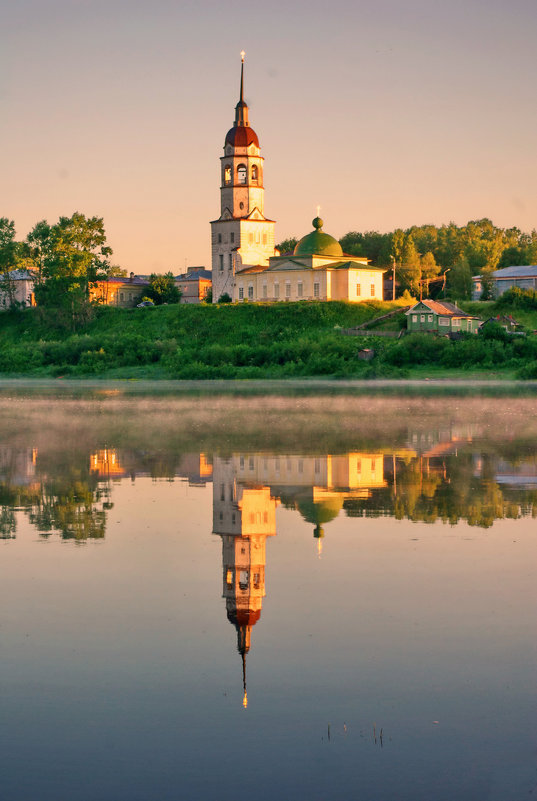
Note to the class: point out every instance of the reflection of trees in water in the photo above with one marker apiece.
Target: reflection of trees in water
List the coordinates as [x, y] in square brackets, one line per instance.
[449, 490]
[73, 508]
[60, 496]
[8, 523]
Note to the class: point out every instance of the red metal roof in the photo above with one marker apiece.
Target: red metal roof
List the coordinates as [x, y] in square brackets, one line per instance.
[241, 136]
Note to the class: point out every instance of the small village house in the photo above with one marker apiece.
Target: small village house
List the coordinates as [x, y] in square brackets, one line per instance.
[440, 317]
[194, 284]
[17, 288]
[118, 291]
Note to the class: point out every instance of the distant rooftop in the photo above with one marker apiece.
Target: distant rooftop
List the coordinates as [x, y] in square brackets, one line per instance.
[441, 307]
[517, 271]
[194, 274]
[19, 275]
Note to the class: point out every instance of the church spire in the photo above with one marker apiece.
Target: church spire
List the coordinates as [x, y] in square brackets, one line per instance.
[245, 694]
[241, 109]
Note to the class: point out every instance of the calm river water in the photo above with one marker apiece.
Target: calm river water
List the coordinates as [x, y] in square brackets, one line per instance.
[296, 598]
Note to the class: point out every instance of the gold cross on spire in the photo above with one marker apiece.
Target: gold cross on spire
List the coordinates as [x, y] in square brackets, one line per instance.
[242, 56]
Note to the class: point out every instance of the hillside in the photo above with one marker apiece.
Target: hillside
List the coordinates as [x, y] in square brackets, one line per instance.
[188, 341]
[255, 341]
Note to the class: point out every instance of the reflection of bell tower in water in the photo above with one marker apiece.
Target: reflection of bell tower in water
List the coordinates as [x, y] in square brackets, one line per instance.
[244, 517]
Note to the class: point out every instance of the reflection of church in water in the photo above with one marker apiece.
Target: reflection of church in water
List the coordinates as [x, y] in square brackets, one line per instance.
[247, 488]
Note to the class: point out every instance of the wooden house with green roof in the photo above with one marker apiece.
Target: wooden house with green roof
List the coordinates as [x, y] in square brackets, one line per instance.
[316, 270]
[441, 317]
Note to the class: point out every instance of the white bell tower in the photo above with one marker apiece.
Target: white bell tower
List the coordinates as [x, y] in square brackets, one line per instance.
[242, 236]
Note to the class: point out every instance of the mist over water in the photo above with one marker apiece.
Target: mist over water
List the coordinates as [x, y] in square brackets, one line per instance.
[301, 597]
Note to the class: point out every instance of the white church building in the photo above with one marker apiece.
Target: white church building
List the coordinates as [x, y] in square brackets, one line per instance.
[245, 264]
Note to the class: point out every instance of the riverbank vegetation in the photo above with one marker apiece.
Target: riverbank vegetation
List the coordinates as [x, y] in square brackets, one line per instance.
[279, 340]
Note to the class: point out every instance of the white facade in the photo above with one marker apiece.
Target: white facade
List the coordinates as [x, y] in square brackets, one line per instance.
[242, 235]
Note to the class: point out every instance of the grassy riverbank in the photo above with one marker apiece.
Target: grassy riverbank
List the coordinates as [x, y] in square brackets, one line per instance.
[285, 340]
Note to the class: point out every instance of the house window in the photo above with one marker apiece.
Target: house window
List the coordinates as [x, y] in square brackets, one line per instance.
[358, 290]
[229, 578]
[429, 318]
[265, 291]
[232, 237]
[241, 462]
[456, 323]
[257, 238]
[443, 321]
[250, 291]
[230, 261]
[414, 318]
[227, 174]
[276, 291]
[221, 261]
[250, 239]
[243, 579]
[316, 290]
[219, 238]
[242, 173]
[372, 290]
[241, 293]
[254, 172]
[422, 318]
[287, 289]
[222, 492]
[121, 295]
[299, 289]
[264, 239]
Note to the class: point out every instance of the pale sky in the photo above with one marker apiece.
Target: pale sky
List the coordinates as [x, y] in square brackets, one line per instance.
[385, 113]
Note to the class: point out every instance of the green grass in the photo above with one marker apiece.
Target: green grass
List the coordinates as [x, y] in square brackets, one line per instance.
[283, 340]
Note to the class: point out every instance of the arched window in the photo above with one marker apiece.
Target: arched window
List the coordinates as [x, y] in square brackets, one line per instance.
[242, 173]
[227, 174]
[254, 172]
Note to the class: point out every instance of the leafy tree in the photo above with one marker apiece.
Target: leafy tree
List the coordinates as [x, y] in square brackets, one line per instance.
[459, 279]
[372, 244]
[208, 297]
[116, 271]
[163, 289]
[8, 262]
[225, 298]
[487, 285]
[398, 243]
[410, 270]
[429, 269]
[72, 254]
[39, 243]
[287, 245]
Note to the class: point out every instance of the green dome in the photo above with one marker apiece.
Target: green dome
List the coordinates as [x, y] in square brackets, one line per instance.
[319, 512]
[318, 243]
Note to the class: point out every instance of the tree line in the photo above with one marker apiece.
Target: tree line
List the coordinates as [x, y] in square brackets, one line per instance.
[66, 259]
[431, 258]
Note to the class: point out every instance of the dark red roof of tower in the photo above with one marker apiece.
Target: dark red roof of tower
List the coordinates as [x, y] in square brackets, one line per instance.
[241, 136]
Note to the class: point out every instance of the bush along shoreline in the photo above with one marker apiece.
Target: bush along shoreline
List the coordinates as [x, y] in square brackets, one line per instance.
[281, 340]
